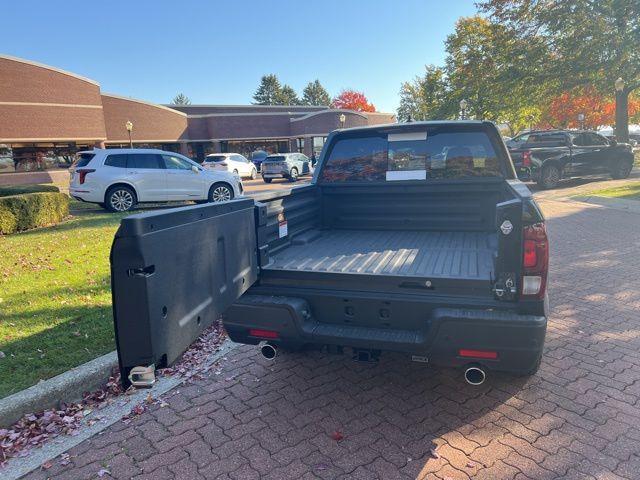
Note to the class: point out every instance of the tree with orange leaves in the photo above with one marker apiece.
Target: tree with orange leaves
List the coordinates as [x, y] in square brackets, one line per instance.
[353, 100]
[598, 110]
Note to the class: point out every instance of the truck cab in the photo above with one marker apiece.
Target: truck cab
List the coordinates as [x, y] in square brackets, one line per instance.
[415, 238]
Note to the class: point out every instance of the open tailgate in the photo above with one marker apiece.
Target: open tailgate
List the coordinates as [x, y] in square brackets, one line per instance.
[173, 272]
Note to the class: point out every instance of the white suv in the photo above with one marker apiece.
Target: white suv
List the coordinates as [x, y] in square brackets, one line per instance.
[231, 162]
[118, 179]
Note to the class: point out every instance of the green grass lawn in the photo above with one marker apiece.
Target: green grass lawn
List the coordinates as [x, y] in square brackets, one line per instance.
[55, 300]
[627, 192]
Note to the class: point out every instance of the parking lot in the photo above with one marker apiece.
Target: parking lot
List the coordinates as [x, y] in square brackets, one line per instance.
[313, 415]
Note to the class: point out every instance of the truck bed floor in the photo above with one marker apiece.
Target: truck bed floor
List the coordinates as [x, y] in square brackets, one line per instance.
[463, 255]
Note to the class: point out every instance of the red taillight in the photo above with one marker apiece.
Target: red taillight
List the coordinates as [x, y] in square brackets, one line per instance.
[526, 158]
[488, 354]
[535, 261]
[255, 332]
[82, 174]
[530, 255]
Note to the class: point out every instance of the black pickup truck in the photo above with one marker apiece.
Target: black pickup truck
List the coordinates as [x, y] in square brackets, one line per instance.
[415, 238]
[548, 156]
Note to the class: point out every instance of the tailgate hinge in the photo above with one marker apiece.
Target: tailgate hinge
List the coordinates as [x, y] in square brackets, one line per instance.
[143, 377]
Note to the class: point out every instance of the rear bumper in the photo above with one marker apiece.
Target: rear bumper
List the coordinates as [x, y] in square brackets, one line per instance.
[517, 339]
[85, 195]
[282, 174]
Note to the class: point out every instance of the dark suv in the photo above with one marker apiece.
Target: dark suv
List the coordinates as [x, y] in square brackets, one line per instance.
[548, 156]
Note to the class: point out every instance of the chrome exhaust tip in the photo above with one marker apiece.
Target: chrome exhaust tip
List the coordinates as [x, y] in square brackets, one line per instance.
[268, 351]
[475, 375]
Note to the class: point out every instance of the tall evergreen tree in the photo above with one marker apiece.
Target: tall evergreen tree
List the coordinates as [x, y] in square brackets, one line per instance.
[181, 99]
[269, 92]
[287, 96]
[315, 94]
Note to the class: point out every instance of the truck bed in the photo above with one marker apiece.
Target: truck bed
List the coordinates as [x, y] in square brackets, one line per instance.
[451, 255]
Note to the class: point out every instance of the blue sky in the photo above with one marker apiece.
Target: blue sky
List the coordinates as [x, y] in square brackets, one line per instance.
[216, 51]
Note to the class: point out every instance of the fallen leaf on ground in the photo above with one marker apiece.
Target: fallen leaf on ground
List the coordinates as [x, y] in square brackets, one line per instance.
[337, 436]
[47, 465]
[35, 429]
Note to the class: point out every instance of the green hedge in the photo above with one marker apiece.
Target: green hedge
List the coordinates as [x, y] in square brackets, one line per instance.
[32, 210]
[9, 190]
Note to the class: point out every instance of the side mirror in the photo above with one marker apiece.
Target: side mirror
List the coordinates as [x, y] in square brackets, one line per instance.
[194, 169]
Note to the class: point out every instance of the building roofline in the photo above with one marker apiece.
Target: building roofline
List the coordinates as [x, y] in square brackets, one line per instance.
[48, 67]
[143, 102]
[330, 110]
[294, 107]
[245, 114]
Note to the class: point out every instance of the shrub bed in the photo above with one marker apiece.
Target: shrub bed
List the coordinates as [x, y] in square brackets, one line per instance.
[32, 210]
[10, 190]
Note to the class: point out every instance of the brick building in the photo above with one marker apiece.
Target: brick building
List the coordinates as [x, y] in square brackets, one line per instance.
[47, 114]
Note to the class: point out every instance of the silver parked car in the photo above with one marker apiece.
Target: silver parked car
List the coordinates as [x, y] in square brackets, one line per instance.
[285, 165]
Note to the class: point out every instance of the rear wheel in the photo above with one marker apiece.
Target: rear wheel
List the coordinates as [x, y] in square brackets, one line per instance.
[267, 180]
[254, 174]
[120, 199]
[549, 177]
[293, 174]
[622, 170]
[220, 192]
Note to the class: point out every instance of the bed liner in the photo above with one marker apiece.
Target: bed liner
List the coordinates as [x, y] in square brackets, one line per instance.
[455, 255]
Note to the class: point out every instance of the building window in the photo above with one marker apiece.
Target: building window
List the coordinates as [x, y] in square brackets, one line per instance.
[27, 157]
[300, 145]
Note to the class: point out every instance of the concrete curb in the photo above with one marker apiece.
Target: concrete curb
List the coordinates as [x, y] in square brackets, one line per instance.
[66, 387]
[615, 203]
[104, 418]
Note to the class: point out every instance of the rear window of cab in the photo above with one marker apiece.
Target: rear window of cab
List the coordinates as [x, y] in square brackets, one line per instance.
[434, 153]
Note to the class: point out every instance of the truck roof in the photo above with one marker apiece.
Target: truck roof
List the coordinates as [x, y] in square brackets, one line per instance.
[414, 125]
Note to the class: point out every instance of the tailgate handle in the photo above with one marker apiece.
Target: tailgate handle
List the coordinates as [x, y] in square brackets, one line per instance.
[142, 272]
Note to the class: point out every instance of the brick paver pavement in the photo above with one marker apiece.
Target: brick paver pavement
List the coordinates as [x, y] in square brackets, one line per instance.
[579, 417]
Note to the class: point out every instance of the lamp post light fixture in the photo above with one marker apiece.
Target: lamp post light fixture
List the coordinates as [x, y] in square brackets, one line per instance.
[463, 109]
[622, 111]
[581, 120]
[342, 118]
[129, 127]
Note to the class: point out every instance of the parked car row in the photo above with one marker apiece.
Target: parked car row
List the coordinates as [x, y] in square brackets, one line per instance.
[549, 156]
[119, 179]
[281, 165]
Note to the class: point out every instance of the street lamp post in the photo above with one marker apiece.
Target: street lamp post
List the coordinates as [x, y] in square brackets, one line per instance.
[342, 118]
[129, 127]
[622, 111]
[463, 109]
[581, 120]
